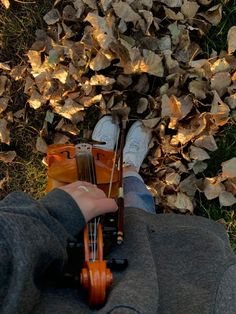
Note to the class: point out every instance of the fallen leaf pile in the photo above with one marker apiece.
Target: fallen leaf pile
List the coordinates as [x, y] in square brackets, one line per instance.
[144, 55]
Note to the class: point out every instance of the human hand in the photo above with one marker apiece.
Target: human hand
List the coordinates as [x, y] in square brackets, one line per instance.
[91, 200]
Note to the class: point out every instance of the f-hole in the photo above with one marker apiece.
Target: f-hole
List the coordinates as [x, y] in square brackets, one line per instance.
[68, 155]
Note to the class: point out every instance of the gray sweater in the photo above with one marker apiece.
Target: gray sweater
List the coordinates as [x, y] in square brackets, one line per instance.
[177, 264]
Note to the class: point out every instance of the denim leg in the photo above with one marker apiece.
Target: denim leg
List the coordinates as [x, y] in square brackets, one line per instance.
[137, 195]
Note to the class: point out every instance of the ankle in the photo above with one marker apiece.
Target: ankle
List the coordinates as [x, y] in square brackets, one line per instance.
[129, 168]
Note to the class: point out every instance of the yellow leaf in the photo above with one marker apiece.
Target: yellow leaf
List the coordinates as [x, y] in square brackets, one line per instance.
[61, 75]
[101, 80]
[100, 62]
[6, 3]
[231, 37]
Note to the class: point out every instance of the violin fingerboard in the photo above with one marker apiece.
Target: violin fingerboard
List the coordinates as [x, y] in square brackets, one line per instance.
[85, 163]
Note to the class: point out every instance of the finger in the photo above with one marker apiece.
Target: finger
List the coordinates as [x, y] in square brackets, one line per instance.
[106, 205]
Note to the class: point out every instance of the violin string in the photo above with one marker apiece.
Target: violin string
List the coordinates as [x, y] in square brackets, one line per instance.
[113, 166]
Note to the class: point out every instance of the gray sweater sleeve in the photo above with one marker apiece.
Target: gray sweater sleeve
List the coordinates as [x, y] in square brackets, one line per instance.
[33, 237]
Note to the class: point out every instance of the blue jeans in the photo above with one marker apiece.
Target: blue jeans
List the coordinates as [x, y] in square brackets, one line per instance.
[136, 194]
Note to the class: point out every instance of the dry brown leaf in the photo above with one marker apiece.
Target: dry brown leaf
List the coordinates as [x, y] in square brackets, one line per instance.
[151, 63]
[213, 15]
[220, 65]
[4, 132]
[91, 3]
[100, 79]
[100, 62]
[190, 185]
[231, 37]
[170, 14]
[142, 105]
[35, 60]
[5, 66]
[124, 11]
[231, 101]
[79, 6]
[230, 185]
[198, 153]
[3, 83]
[172, 178]
[60, 138]
[7, 157]
[172, 3]
[212, 188]
[41, 145]
[3, 103]
[106, 4]
[189, 9]
[181, 201]
[229, 168]
[227, 199]
[204, 2]
[102, 32]
[198, 88]
[36, 100]
[6, 3]
[52, 17]
[151, 123]
[71, 110]
[220, 81]
[206, 141]
[61, 74]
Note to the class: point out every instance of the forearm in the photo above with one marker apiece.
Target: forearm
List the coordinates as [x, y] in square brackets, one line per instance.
[33, 236]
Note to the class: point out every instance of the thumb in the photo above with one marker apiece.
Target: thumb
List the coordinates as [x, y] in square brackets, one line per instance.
[106, 205]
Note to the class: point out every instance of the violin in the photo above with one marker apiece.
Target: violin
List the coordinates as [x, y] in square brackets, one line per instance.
[68, 163]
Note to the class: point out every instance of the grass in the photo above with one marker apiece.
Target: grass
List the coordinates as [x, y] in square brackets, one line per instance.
[18, 26]
[26, 173]
[216, 38]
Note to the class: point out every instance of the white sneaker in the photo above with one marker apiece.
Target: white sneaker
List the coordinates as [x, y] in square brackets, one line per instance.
[136, 146]
[106, 131]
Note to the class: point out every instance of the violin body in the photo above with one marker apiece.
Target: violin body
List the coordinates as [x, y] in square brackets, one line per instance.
[62, 167]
